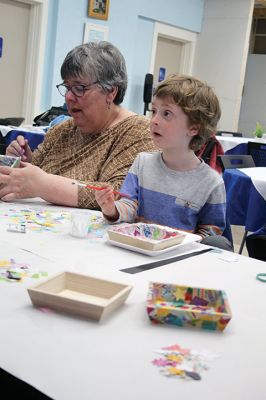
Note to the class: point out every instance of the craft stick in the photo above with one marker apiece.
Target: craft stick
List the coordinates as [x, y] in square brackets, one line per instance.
[98, 188]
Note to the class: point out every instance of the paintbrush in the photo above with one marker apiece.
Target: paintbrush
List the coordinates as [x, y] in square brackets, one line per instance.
[99, 188]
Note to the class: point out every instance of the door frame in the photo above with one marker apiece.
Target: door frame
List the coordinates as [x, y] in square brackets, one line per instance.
[35, 58]
[187, 38]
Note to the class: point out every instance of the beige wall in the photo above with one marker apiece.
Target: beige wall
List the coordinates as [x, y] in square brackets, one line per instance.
[221, 54]
[14, 27]
[253, 108]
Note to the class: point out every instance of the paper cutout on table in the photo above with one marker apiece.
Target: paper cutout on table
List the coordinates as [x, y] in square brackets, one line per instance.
[48, 220]
[148, 237]
[97, 227]
[93, 228]
[146, 231]
[228, 257]
[20, 228]
[12, 271]
[183, 363]
[39, 221]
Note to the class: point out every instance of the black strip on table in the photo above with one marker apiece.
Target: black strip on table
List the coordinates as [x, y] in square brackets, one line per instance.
[155, 264]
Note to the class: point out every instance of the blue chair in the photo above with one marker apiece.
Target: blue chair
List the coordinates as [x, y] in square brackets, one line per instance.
[236, 161]
[258, 153]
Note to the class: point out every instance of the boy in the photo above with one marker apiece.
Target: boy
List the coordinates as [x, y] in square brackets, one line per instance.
[173, 187]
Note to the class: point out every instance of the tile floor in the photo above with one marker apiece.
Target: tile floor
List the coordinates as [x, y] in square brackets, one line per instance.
[238, 232]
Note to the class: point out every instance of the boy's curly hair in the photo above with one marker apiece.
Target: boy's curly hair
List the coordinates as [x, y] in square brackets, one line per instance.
[197, 100]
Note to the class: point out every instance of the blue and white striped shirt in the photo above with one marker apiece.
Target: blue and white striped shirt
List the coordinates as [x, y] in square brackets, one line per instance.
[192, 201]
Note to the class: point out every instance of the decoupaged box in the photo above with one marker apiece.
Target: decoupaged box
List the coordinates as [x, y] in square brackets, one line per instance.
[9, 161]
[188, 306]
[145, 236]
[79, 294]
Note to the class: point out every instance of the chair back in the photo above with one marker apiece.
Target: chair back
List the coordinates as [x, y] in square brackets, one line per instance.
[14, 121]
[258, 153]
[209, 152]
[236, 161]
[227, 133]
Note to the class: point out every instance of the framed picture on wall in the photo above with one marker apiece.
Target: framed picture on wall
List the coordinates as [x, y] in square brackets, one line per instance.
[95, 33]
[98, 9]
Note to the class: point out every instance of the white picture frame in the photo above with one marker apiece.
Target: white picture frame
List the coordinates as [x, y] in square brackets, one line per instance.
[95, 33]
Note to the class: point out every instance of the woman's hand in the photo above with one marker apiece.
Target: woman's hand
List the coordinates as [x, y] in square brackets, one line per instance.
[105, 199]
[20, 148]
[20, 183]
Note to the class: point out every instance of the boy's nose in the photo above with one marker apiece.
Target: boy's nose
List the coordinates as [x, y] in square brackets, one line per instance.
[154, 120]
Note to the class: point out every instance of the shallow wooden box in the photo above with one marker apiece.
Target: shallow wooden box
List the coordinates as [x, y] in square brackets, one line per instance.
[188, 306]
[125, 235]
[78, 294]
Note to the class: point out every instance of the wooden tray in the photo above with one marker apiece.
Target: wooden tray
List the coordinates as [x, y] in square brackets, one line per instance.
[134, 235]
[78, 294]
[189, 238]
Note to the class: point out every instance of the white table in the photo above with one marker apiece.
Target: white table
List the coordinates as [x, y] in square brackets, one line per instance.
[258, 178]
[237, 145]
[70, 358]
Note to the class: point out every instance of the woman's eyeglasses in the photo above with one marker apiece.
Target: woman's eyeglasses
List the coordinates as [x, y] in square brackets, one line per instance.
[77, 90]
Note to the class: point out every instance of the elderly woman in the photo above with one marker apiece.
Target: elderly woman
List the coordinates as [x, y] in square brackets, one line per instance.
[96, 146]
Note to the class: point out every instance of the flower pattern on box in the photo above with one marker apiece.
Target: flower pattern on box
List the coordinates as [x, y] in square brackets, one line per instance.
[188, 306]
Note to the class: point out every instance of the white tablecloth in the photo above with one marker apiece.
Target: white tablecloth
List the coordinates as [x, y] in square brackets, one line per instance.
[71, 358]
[228, 143]
[5, 129]
[258, 177]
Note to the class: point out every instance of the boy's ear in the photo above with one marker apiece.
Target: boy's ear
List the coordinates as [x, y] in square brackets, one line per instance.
[194, 130]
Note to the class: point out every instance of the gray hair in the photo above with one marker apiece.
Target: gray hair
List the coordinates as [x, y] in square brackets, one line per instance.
[102, 62]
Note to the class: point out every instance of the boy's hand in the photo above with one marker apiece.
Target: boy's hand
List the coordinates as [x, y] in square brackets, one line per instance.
[105, 199]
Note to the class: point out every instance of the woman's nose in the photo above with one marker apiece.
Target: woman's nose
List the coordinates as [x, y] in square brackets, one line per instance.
[70, 96]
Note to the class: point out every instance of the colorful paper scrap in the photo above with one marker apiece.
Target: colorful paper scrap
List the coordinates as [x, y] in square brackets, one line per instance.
[184, 363]
[12, 271]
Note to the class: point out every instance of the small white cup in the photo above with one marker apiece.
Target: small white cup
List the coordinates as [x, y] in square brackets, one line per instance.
[79, 223]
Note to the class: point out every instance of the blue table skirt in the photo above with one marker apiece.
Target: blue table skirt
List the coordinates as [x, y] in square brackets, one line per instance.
[239, 149]
[34, 139]
[245, 205]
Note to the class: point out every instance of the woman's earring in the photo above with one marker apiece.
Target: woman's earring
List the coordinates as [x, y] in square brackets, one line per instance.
[108, 104]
